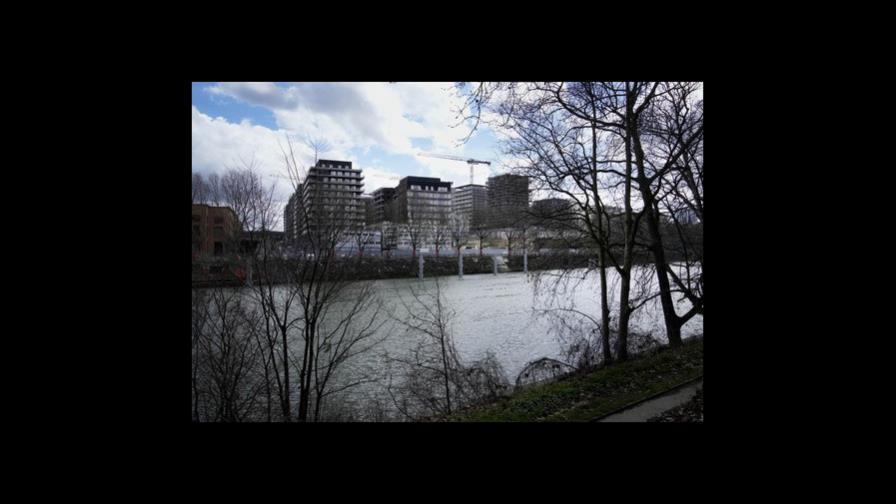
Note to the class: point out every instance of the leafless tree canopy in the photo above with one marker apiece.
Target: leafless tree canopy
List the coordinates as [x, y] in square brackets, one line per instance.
[308, 317]
[432, 380]
[628, 157]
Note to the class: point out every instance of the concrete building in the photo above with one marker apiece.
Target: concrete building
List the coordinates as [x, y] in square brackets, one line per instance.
[290, 219]
[383, 205]
[329, 196]
[508, 199]
[367, 205]
[471, 201]
[250, 242]
[557, 209]
[215, 231]
[422, 199]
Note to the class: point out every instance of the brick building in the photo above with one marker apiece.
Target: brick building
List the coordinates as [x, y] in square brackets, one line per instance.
[216, 231]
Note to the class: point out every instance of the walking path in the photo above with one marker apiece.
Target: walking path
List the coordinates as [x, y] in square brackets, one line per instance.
[657, 405]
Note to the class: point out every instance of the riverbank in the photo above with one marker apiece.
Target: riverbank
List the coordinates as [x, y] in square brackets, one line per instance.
[585, 396]
[230, 273]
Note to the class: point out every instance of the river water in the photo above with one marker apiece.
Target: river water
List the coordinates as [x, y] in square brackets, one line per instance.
[514, 316]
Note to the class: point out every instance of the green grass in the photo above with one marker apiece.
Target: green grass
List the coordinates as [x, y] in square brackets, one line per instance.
[581, 397]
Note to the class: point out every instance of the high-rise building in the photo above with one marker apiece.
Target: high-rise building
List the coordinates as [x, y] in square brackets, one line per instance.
[290, 218]
[329, 196]
[470, 201]
[508, 199]
[367, 205]
[384, 205]
[422, 200]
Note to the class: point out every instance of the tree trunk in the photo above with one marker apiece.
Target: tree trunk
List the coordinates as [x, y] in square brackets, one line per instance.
[284, 403]
[673, 326]
[305, 386]
[629, 240]
[624, 315]
[460, 264]
[445, 368]
[604, 309]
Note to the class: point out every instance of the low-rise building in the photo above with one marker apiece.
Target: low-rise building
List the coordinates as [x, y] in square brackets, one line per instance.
[216, 231]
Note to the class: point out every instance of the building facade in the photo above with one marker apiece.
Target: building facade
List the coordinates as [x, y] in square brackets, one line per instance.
[290, 219]
[367, 205]
[330, 196]
[383, 205]
[471, 202]
[215, 231]
[557, 209]
[422, 200]
[508, 199]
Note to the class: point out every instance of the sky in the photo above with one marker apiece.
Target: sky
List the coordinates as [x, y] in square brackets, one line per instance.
[380, 127]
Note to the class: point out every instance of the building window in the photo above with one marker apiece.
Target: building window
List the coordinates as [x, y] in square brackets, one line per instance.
[219, 232]
[219, 220]
[196, 218]
[219, 248]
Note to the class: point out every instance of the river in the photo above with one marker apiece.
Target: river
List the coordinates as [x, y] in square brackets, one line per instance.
[509, 315]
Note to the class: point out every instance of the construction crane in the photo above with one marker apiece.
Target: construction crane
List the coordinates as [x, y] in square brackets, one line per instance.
[470, 161]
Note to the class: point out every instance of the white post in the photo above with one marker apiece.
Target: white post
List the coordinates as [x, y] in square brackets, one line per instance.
[460, 264]
[525, 260]
[495, 265]
[420, 274]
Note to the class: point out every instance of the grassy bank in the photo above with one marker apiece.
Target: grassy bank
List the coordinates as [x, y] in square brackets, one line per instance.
[582, 397]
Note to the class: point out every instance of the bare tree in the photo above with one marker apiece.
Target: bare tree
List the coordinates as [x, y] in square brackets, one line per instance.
[440, 231]
[349, 327]
[226, 383]
[417, 230]
[565, 157]
[213, 194]
[199, 189]
[553, 125]
[458, 227]
[669, 133]
[482, 231]
[307, 339]
[388, 238]
[434, 380]
[361, 237]
[318, 145]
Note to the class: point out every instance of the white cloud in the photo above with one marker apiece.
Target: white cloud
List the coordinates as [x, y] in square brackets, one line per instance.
[376, 177]
[219, 144]
[359, 114]
[350, 116]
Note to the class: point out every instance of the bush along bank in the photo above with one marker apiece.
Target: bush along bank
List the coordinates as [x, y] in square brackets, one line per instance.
[378, 268]
[584, 396]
